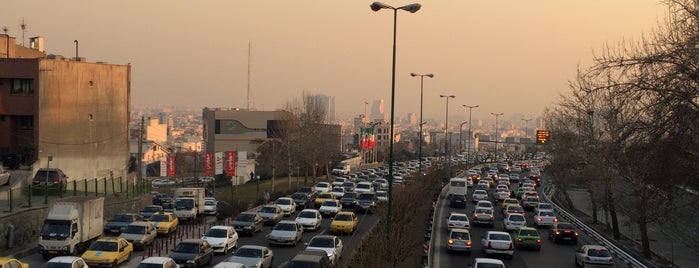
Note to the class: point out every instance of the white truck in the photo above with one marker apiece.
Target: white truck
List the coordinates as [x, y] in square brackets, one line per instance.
[342, 169]
[71, 225]
[189, 203]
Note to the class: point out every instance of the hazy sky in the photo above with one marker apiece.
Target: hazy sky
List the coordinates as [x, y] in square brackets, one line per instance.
[512, 56]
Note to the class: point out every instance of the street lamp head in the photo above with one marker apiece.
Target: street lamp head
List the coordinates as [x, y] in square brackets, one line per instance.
[430, 75]
[447, 96]
[376, 6]
[412, 8]
[414, 74]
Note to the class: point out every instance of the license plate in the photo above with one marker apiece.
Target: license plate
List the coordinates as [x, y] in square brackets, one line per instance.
[567, 238]
[53, 252]
[115, 231]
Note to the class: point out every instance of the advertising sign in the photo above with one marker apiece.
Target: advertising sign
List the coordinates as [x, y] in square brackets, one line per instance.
[171, 166]
[219, 163]
[230, 163]
[209, 163]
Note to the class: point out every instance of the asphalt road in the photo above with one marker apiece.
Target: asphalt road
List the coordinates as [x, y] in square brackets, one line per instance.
[281, 254]
[551, 255]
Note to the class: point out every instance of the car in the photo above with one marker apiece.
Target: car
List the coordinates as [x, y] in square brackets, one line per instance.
[287, 204]
[364, 187]
[563, 232]
[349, 199]
[330, 244]
[253, 256]
[286, 233]
[349, 186]
[366, 202]
[158, 262]
[118, 223]
[502, 194]
[12, 263]
[322, 187]
[381, 196]
[457, 200]
[4, 176]
[168, 207]
[484, 204]
[342, 169]
[459, 240]
[192, 253]
[545, 218]
[271, 214]
[310, 219]
[513, 221]
[149, 210]
[530, 203]
[593, 255]
[59, 262]
[483, 216]
[309, 258]
[310, 191]
[330, 207]
[479, 195]
[50, 177]
[344, 222]
[543, 206]
[486, 263]
[528, 194]
[108, 251]
[301, 200]
[514, 209]
[339, 181]
[210, 206]
[226, 264]
[527, 237]
[508, 202]
[338, 191]
[221, 238]
[248, 223]
[497, 242]
[140, 233]
[457, 220]
[324, 196]
[165, 222]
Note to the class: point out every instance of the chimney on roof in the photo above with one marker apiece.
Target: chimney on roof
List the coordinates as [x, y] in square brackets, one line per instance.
[37, 43]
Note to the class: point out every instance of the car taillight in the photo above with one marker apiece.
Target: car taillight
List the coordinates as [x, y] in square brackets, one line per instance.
[519, 239]
[451, 225]
[475, 216]
[56, 179]
[587, 258]
[510, 245]
[538, 219]
[491, 217]
[555, 219]
[558, 232]
[468, 243]
[538, 240]
[489, 245]
[576, 233]
[450, 241]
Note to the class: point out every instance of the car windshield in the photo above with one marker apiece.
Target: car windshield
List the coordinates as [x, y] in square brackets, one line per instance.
[285, 227]
[301, 196]
[326, 195]
[217, 233]
[337, 189]
[565, 226]
[458, 218]
[307, 214]
[122, 218]
[151, 209]
[363, 186]
[545, 206]
[135, 229]
[504, 237]
[104, 246]
[158, 217]
[245, 217]
[329, 203]
[283, 202]
[546, 213]
[248, 253]
[483, 211]
[55, 228]
[322, 185]
[366, 197]
[168, 206]
[209, 202]
[268, 210]
[528, 232]
[187, 247]
[460, 236]
[343, 217]
[480, 192]
[184, 204]
[598, 252]
[350, 195]
[516, 217]
[320, 242]
[514, 208]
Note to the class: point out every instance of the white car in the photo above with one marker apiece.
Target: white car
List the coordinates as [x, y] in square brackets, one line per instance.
[512, 222]
[542, 206]
[330, 207]
[72, 262]
[221, 238]
[479, 195]
[496, 242]
[593, 256]
[229, 265]
[381, 195]
[286, 233]
[210, 206]
[484, 204]
[364, 187]
[545, 218]
[323, 187]
[486, 263]
[458, 220]
[338, 191]
[287, 204]
[502, 194]
[253, 256]
[339, 181]
[310, 219]
[332, 245]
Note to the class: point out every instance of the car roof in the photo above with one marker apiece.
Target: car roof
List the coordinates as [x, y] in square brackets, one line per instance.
[457, 214]
[459, 230]
[156, 260]
[221, 227]
[140, 223]
[252, 247]
[346, 212]
[64, 259]
[109, 239]
[310, 210]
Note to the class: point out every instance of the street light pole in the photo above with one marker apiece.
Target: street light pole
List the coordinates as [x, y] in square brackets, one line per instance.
[461, 145]
[412, 8]
[446, 126]
[468, 151]
[496, 133]
[419, 154]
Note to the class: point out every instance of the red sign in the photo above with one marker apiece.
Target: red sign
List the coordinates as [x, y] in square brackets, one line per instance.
[230, 163]
[209, 163]
[171, 166]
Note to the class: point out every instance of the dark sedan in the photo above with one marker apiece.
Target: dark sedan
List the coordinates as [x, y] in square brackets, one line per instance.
[118, 223]
[248, 223]
[192, 253]
[563, 232]
[457, 200]
[349, 200]
[302, 201]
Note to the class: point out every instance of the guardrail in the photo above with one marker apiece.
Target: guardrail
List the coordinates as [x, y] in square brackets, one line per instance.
[610, 245]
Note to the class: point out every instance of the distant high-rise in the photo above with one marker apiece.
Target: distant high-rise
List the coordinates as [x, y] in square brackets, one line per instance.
[412, 119]
[377, 111]
[328, 102]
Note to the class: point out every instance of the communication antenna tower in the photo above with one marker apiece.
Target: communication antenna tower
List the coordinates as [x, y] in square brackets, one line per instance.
[249, 58]
[23, 25]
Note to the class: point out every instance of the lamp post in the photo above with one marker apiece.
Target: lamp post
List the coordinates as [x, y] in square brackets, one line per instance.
[76, 50]
[468, 151]
[461, 146]
[364, 120]
[496, 133]
[412, 8]
[446, 126]
[419, 154]
[46, 183]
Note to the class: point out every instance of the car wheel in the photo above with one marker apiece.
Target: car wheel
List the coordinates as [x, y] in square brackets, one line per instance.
[114, 264]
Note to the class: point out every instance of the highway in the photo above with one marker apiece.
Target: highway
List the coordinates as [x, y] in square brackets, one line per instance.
[551, 255]
[281, 254]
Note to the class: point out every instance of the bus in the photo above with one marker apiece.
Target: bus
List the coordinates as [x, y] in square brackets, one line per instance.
[458, 186]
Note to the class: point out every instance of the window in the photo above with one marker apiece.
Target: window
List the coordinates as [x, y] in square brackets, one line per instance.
[25, 122]
[22, 86]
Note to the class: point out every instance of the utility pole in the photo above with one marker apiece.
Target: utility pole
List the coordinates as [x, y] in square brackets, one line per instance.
[139, 172]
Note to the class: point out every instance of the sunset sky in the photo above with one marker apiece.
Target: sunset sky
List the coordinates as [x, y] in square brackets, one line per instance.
[513, 57]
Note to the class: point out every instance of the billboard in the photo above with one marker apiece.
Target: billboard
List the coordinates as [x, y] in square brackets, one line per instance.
[542, 136]
[209, 164]
[230, 163]
[171, 166]
[218, 164]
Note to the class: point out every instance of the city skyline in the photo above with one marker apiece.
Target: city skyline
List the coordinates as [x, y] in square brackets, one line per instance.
[512, 57]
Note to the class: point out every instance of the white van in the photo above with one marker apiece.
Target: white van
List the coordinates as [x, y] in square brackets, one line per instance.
[458, 186]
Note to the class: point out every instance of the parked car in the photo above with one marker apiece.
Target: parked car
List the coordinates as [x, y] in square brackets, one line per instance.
[593, 255]
[118, 223]
[221, 238]
[286, 233]
[253, 256]
[271, 214]
[287, 204]
[141, 234]
[527, 237]
[157, 262]
[248, 223]
[563, 232]
[60, 262]
[192, 253]
[53, 178]
[310, 219]
[330, 244]
[112, 250]
[497, 242]
[165, 222]
[459, 240]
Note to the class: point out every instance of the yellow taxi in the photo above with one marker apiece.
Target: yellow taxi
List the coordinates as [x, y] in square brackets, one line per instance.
[508, 202]
[165, 222]
[344, 222]
[12, 263]
[324, 196]
[108, 251]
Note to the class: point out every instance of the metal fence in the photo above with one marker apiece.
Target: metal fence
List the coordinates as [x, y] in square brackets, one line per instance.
[42, 194]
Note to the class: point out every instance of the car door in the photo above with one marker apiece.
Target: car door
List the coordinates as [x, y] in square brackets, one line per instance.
[153, 233]
[338, 247]
[122, 254]
[208, 251]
